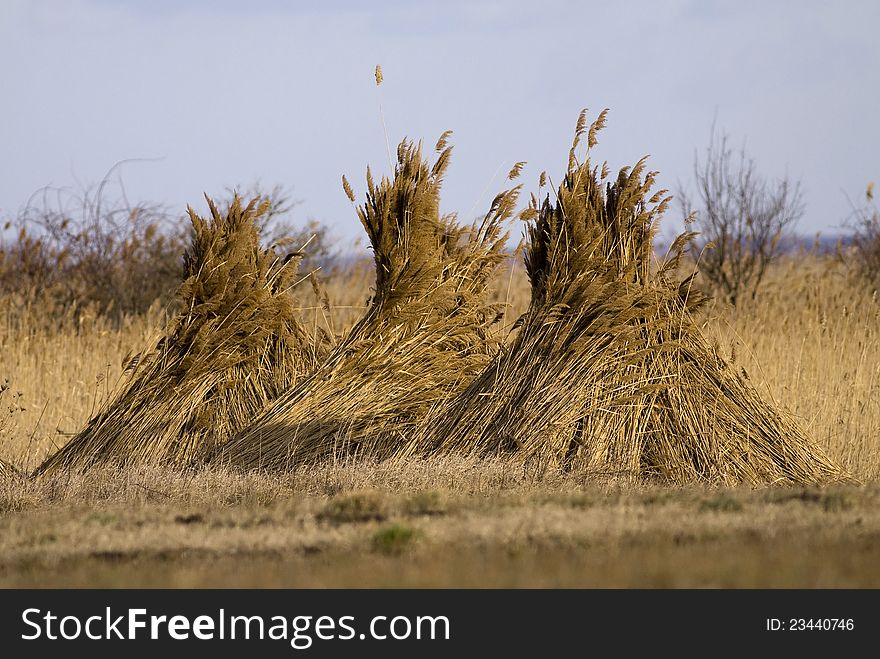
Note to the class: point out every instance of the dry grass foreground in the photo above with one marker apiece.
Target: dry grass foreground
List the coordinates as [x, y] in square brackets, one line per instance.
[440, 523]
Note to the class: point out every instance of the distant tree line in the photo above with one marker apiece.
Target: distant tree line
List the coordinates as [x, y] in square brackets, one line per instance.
[74, 250]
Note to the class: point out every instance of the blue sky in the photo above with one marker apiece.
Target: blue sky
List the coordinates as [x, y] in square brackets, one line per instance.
[216, 94]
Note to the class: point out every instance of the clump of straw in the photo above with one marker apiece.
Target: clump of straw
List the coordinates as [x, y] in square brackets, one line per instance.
[609, 373]
[425, 332]
[236, 345]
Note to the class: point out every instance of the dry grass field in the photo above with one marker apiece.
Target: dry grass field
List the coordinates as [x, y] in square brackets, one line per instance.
[810, 342]
[577, 414]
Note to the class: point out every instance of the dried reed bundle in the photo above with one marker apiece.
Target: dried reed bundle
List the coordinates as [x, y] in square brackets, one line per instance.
[425, 332]
[236, 346]
[609, 372]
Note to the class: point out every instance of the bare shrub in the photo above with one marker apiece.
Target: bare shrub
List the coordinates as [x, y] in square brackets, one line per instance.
[92, 249]
[865, 251]
[80, 248]
[743, 218]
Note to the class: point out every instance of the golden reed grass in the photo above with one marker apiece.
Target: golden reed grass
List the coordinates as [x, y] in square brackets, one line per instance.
[236, 345]
[608, 373]
[7, 469]
[426, 330]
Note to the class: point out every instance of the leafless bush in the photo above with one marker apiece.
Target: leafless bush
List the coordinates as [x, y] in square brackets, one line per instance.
[865, 251]
[82, 248]
[741, 216]
[71, 250]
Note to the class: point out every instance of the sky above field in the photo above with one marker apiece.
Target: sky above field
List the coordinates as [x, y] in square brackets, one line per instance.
[204, 95]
